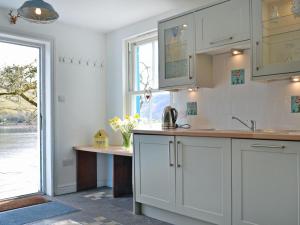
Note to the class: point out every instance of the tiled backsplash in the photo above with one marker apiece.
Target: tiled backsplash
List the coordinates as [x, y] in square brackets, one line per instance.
[269, 103]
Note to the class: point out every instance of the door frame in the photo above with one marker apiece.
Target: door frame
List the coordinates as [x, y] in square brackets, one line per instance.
[46, 100]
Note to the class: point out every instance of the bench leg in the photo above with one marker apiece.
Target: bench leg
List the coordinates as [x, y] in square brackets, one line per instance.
[86, 170]
[122, 176]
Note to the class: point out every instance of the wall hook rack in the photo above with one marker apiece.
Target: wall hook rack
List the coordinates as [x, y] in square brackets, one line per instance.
[96, 63]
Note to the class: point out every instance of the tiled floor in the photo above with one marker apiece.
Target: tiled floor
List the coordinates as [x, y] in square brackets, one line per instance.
[98, 207]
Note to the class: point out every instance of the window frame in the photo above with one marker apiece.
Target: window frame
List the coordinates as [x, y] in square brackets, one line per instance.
[130, 69]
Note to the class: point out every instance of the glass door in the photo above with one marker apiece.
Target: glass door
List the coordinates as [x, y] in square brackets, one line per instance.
[176, 46]
[20, 147]
[276, 35]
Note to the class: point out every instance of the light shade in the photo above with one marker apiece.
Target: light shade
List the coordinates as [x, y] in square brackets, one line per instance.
[38, 11]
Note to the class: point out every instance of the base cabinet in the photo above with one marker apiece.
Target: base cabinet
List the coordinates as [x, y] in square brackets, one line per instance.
[203, 179]
[185, 175]
[265, 179]
[154, 170]
[219, 181]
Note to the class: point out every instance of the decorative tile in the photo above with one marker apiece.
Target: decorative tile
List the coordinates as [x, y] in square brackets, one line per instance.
[67, 222]
[295, 104]
[98, 195]
[238, 77]
[191, 108]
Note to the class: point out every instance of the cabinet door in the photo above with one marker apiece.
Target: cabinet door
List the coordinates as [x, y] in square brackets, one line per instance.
[176, 39]
[276, 38]
[222, 24]
[265, 179]
[154, 158]
[203, 179]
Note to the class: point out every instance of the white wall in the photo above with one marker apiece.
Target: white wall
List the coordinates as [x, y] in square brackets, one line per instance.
[83, 87]
[269, 103]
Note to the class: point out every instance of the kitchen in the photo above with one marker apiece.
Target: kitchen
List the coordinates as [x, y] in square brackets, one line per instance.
[212, 89]
[238, 164]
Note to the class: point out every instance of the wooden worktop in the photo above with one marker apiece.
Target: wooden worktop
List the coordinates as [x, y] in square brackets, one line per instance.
[265, 135]
[111, 150]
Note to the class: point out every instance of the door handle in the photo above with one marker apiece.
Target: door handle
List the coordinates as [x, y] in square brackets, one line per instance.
[257, 56]
[189, 66]
[170, 160]
[177, 154]
[221, 40]
[268, 146]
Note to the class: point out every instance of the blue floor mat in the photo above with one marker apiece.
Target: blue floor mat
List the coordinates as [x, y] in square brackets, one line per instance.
[34, 213]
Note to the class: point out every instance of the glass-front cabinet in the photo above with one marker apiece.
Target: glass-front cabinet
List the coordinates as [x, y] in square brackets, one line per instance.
[176, 52]
[276, 38]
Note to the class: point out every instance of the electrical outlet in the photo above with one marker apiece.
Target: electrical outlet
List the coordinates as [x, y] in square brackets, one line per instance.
[61, 98]
[68, 162]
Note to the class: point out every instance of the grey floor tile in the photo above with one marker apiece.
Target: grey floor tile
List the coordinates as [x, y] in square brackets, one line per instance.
[98, 207]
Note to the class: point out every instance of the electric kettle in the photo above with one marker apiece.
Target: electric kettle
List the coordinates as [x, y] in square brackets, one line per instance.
[169, 118]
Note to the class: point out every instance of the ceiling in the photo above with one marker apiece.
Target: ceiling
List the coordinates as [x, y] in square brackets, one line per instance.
[108, 15]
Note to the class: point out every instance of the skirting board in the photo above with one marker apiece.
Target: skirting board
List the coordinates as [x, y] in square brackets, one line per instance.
[71, 188]
[104, 183]
[170, 217]
[65, 189]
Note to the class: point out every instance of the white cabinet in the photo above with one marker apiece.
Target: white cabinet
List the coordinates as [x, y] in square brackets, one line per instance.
[186, 43]
[176, 39]
[275, 39]
[203, 178]
[154, 161]
[222, 24]
[219, 181]
[191, 177]
[265, 179]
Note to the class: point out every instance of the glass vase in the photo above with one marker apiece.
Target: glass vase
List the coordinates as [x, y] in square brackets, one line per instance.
[126, 140]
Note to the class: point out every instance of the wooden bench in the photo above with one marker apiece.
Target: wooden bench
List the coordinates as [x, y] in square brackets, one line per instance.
[87, 168]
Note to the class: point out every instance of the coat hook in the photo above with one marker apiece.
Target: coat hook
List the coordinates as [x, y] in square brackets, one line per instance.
[71, 60]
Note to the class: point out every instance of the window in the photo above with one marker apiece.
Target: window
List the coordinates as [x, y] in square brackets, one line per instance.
[144, 97]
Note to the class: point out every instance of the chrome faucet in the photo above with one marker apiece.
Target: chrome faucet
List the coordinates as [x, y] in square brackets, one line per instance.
[253, 123]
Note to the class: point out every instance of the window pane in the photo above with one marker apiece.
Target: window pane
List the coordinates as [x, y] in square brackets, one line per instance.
[146, 66]
[151, 111]
[145, 77]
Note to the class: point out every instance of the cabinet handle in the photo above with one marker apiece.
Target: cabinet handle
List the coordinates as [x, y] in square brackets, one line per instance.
[189, 66]
[257, 56]
[177, 154]
[170, 160]
[268, 146]
[221, 40]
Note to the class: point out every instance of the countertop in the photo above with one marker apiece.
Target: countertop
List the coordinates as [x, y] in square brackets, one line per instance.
[112, 150]
[284, 135]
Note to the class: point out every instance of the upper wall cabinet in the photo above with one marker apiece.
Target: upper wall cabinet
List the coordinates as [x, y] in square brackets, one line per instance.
[187, 42]
[176, 52]
[222, 24]
[275, 39]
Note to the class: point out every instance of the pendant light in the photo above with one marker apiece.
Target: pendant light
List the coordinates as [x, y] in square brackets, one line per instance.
[38, 11]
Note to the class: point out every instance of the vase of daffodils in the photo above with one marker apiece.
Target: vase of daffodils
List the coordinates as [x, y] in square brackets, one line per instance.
[125, 127]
